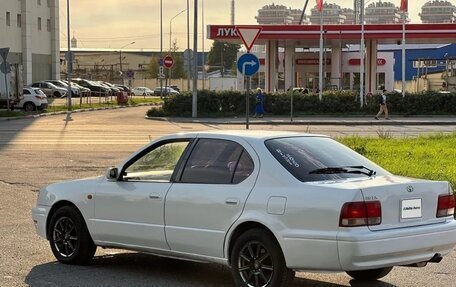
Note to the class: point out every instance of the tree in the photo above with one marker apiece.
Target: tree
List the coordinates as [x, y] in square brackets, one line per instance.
[153, 67]
[222, 55]
[178, 70]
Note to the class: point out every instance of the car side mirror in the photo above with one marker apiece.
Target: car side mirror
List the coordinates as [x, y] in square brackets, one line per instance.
[112, 174]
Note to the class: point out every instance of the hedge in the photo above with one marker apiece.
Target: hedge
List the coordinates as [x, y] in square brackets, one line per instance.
[232, 103]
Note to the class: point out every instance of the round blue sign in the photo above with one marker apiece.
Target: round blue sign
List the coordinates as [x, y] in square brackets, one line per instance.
[248, 64]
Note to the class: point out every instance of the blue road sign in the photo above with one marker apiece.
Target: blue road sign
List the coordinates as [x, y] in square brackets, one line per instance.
[130, 74]
[161, 62]
[248, 64]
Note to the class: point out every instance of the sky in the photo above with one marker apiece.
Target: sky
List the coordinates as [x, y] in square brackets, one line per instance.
[117, 23]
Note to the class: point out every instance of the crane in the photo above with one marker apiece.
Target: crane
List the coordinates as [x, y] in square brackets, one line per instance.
[303, 12]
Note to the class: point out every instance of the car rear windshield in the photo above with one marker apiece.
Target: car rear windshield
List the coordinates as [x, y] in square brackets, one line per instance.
[302, 155]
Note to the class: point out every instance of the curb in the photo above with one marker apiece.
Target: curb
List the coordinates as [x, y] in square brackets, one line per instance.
[76, 111]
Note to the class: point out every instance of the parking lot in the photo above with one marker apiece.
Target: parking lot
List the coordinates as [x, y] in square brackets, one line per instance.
[37, 152]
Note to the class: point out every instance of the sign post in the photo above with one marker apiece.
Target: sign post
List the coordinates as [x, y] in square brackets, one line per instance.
[168, 61]
[248, 64]
[5, 70]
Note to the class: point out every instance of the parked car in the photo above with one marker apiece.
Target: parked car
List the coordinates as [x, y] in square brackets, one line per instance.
[174, 87]
[32, 99]
[166, 91]
[124, 89]
[75, 91]
[113, 88]
[50, 89]
[142, 91]
[299, 90]
[265, 203]
[84, 91]
[95, 88]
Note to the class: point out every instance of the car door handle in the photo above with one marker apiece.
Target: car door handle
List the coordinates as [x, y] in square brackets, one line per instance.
[155, 196]
[232, 201]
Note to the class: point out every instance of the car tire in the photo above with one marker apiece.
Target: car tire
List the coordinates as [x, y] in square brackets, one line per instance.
[370, 275]
[69, 237]
[257, 260]
[29, 107]
[56, 95]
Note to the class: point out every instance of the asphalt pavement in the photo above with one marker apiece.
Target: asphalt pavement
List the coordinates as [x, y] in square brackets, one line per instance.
[35, 152]
[282, 120]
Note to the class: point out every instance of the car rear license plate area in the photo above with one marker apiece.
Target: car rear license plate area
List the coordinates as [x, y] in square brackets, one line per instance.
[411, 208]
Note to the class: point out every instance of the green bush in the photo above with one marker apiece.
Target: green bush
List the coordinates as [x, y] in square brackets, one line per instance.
[232, 103]
[156, 112]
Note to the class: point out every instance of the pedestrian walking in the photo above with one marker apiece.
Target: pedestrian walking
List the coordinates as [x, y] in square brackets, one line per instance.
[383, 105]
[259, 104]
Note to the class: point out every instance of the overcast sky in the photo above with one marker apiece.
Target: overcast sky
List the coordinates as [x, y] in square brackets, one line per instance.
[116, 23]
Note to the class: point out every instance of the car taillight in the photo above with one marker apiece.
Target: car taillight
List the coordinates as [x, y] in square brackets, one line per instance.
[39, 97]
[361, 213]
[445, 206]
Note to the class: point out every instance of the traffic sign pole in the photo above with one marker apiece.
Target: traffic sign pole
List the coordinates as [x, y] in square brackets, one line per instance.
[247, 103]
[7, 92]
[248, 64]
[4, 54]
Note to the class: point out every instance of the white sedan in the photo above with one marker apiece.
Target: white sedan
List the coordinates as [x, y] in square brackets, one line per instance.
[265, 203]
[142, 91]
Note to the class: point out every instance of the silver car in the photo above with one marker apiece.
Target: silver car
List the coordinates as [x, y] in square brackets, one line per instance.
[50, 89]
[265, 203]
[75, 91]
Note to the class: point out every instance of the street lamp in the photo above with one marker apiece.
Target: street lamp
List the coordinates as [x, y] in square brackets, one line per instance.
[120, 59]
[170, 40]
[69, 63]
[170, 25]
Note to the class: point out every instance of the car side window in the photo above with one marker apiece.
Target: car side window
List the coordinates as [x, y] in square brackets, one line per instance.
[36, 85]
[213, 161]
[26, 92]
[157, 165]
[244, 168]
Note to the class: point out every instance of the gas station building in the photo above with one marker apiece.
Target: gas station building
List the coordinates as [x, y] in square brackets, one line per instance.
[290, 54]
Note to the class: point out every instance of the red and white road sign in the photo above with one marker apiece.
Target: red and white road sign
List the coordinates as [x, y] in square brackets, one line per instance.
[248, 35]
[168, 61]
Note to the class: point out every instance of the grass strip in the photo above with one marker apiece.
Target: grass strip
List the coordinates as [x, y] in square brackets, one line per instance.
[428, 157]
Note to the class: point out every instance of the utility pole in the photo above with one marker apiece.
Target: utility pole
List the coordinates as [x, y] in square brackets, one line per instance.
[195, 61]
[361, 65]
[188, 46]
[69, 63]
[161, 48]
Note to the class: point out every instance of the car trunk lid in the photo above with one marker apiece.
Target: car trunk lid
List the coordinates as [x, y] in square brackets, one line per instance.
[406, 202]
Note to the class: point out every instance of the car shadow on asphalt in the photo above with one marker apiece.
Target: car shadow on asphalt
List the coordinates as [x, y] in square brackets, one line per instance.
[137, 269]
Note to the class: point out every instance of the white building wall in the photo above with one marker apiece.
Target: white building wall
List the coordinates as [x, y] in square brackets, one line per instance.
[41, 39]
[10, 36]
[36, 50]
[387, 67]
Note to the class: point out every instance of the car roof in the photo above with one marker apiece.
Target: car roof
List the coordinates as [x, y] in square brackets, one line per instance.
[249, 134]
[31, 88]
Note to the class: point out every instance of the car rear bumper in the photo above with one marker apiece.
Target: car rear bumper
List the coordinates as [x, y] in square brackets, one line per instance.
[395, 247]
[39, 215]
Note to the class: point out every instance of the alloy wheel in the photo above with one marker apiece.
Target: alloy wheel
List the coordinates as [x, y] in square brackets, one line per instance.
[255, 265]
[65, 237]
